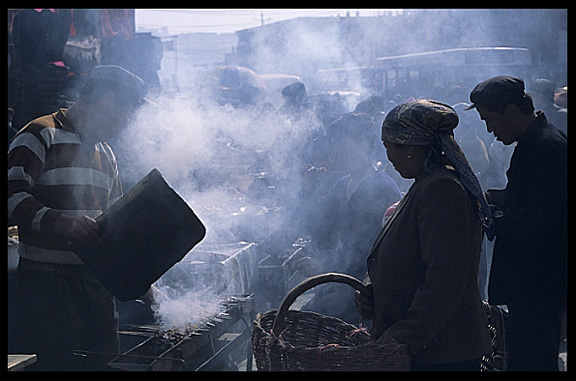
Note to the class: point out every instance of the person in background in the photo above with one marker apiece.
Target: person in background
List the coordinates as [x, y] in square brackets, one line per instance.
[61, 175]
[373, 106]
[528, 272]
[348, 213]
[423, 267]
[468, 138]
[295, 98]
[561, 97]
[542, 93]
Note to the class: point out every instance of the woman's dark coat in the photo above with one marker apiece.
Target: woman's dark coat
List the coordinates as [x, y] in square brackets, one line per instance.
[424, 272]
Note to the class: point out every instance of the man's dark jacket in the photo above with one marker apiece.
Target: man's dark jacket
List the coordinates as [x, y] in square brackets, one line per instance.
[529, 262]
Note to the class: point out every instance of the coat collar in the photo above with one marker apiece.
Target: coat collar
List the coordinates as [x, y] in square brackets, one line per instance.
[389, 223]
[399, 208]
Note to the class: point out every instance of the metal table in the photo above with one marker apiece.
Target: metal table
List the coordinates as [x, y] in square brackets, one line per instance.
[19, 362]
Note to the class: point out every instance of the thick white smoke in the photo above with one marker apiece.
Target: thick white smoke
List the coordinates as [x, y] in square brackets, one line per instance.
[240, 168]
[237, 168]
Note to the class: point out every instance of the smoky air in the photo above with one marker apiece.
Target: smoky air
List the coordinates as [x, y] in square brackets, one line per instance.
[256, 165]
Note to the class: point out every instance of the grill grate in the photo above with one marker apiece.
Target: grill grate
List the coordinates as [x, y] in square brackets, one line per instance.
[206, 346]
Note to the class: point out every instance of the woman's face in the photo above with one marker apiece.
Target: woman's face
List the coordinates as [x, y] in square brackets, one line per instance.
[407, 160]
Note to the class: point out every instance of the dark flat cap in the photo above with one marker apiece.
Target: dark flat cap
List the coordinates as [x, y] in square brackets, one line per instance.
[120, 76]
[497, 90]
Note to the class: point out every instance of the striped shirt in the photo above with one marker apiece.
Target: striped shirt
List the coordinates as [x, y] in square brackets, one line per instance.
[50, 172]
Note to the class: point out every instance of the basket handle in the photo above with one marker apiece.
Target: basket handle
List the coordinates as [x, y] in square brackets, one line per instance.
[309, 283]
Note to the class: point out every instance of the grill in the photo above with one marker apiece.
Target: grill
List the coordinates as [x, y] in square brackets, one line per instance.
[221, 342]
[218, 341]
[278, 273]
[225, 268]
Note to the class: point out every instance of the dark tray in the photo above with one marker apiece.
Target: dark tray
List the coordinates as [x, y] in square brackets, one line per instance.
[143, 234]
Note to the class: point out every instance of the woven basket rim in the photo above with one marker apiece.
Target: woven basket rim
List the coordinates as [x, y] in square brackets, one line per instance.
[275, 352]
[260, 331]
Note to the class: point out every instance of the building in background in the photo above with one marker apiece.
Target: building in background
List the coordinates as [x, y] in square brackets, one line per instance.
[46, 68]
[305, 45]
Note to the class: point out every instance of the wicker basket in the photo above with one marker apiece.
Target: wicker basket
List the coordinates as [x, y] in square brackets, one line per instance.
[309, 341]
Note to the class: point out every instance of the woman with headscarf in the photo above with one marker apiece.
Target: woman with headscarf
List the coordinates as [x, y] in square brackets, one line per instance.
[423, 267]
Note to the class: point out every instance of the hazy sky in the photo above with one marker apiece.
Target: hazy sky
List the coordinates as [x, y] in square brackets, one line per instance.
[229, 20]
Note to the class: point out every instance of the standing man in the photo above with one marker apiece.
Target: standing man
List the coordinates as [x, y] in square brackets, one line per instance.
[61, 176]
[529, 261]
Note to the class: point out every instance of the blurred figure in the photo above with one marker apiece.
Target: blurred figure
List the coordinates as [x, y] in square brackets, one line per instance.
[467, 137]
[295, 98]
[499, 155]
[393, 102]
[349, 213]
[328, 106]
[38, 71]
[530, 215]
[454, 95]
[542, 93]
[239, 86]
[561, 97]
[471, 144]
[373, 106]
[248, 94]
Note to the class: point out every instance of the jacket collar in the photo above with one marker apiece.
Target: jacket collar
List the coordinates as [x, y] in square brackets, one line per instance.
[392, 218]
[537, 125]
[60, 118]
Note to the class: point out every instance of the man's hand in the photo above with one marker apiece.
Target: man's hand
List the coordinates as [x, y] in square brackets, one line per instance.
[365, 305]
[81, 228]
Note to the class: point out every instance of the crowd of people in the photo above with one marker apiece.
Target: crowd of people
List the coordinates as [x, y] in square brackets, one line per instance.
[509, 159]
[401, 191]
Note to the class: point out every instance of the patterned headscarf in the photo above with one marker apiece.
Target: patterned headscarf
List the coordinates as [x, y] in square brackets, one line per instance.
[431, 123]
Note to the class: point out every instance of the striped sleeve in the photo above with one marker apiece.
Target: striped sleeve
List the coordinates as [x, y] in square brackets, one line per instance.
[26, 158]
[51, 172]
[116, 190]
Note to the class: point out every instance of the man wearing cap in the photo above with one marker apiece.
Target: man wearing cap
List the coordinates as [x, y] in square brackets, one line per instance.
[61, 176]
[528, 271]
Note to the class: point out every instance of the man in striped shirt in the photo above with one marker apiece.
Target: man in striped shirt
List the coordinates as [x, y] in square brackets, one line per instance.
[61, 176]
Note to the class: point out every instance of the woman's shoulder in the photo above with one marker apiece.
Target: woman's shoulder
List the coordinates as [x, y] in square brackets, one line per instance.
[446, 171]
[443, 178]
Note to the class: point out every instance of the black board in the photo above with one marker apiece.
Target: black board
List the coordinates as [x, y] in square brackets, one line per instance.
[142, 236]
